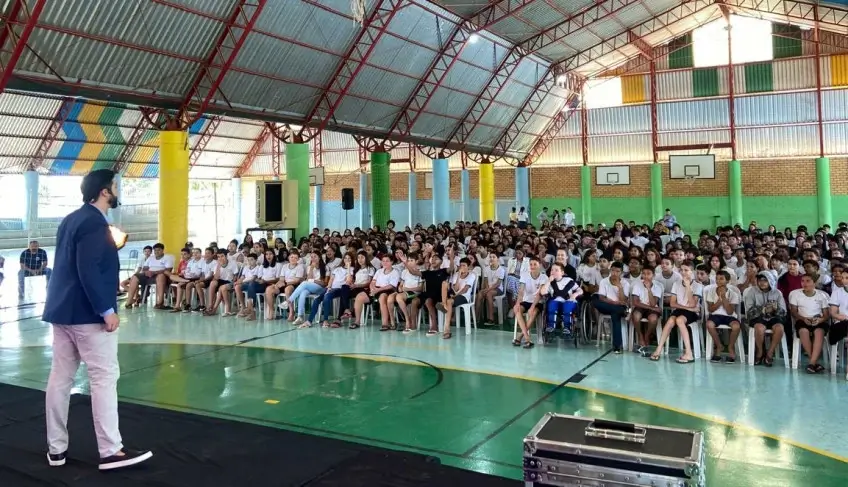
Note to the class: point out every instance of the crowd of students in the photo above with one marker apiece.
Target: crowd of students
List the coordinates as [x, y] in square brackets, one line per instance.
[788, 283]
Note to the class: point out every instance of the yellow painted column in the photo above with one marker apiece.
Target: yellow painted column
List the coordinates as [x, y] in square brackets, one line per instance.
[173, 190]
[487, 191]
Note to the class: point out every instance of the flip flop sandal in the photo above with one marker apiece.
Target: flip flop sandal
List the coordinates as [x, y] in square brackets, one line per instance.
[769, 361]
[811, 369]
[819, 368]
[654, 358]
[431, 333]
[759, 361]
[684, 361]
[384, 328]
[447, 336]
[335, 324]
[516, 343]
[353, 326]
[730, 360]
[528, 345]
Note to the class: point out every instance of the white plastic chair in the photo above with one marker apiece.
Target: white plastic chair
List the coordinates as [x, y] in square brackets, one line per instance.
[782, 352]
[632, 330]
[499, 307]
[696, 335]
[467, 310]
[740, 341]
[537, 323]
[830, 354]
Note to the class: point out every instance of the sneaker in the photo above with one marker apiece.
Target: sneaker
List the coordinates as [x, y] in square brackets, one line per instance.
[616, 350]
[129, 458]
[57, 460]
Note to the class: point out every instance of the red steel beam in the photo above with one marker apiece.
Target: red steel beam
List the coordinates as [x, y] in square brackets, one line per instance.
[208, 81]
[461, 133]
[645, 49]
[317, 151]
[584, 131]
[551, 131]
[251, 155]
[276, 155]
[616, 42]
[52, 132]
[731, 84]
[819, 109]
[376, 25]
[148, 115]
[599, 10]
[16, 31]
[204, 139]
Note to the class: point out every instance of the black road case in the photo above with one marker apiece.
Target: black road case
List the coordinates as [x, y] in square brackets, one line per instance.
[566, 450]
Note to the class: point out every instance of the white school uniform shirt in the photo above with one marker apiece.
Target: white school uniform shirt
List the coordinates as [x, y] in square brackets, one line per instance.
[568, 218]
[839, 298]
[639, 290]
[469, 281]
[497, 274]
[607, 290]
[382, 279]
[733, 294]
[363, 275]
[512, 266]
[410, 281]
[251, 273]
[532, 286]
[667, 282]
[287, 272]
[331, 266]
[561, 285]
[229, 271]
[446, 262]
[208, 268]
[194, 269]
[377, 263]
[270, 273]
[679, 290]
[154, 264]
[589, 275]
[809, 306]
[339, 276]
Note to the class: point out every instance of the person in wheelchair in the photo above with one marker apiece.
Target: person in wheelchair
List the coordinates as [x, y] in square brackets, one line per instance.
[563, 292]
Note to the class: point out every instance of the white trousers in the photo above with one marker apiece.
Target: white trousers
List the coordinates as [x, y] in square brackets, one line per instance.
[99, 350]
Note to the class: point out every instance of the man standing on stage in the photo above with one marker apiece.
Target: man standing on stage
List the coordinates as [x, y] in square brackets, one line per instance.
[81, 304]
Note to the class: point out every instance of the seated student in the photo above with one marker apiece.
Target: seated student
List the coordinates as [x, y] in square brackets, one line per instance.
[341, 279]
[634, 271]
[529, 300]
[179, 278]
[493, 286]
[268, 274]
[207, 272]
[456, 293]
[702, 275]
[155, 271]
[434, 278]
[409, 289]
[563, 292]
[249, 272]
[612, 300]
[685, 296]
[383, 285]
[810, 309]
[219, 289]
[33, 263]
[722, 299]
[292, 274]
[145, 254]
[765, 309]
[646, 297]
[838, 303]
[812, 269]
[315, 283]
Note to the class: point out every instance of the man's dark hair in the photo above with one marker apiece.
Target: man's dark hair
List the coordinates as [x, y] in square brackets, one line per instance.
[159, 246]
[617, 265]
[95, 182]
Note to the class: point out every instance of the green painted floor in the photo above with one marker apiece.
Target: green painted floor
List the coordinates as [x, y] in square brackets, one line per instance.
[469, 420]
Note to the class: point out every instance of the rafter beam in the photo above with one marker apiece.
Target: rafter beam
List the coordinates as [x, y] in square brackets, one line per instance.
[254, 151]
[599, 10]
[645, 49]
[461, 133]
[376, 25]
[206, 86]
[17, 28]
[49, 138]
[145, 122]
[448, 55]
[616, 42]
[204, 139]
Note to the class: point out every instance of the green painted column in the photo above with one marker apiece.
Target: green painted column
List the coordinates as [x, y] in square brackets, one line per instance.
[656, 192]
[380, 192]
[586, 195]
[825, 199]
[297, 169]
[734, 192]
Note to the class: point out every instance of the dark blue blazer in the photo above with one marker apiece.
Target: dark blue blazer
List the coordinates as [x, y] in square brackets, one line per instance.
[84, 283]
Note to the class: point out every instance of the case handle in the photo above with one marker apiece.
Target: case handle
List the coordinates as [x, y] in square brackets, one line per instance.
[614, 430]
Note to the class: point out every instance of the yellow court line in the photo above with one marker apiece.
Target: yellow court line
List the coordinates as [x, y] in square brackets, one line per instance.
[616, 395]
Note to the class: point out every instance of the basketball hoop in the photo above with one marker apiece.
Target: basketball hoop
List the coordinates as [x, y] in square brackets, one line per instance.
[690, 180]
[357, 8]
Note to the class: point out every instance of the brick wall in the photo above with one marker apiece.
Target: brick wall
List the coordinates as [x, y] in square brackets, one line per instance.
[779, 178]
[333, 184]
[838, 176]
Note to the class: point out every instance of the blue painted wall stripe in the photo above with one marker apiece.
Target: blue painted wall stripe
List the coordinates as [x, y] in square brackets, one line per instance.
[70, 151]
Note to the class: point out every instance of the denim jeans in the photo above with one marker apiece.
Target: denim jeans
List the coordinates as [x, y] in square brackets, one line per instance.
[343, 293]
[615, 312]
[303, 290]
[253, 288]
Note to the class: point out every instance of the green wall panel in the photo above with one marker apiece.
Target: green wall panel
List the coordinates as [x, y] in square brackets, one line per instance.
[759, 78]
[705, 82]
[696, 213]
[680, 53]
[840, 209]
[786, 41]
[607, 210]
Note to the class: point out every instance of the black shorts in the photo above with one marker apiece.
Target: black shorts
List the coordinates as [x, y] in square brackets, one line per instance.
[768, 322]
[691, 316]
[459, 301]
[376, 296]
[646, 313]
[722, 320]
[800, 325]
[222, 282]
[526, 306]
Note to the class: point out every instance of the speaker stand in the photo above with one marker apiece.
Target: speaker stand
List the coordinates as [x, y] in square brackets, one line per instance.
[346, 227]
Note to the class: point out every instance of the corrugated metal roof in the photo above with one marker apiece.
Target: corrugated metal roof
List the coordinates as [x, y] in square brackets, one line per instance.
[777, 142]
[776, 109]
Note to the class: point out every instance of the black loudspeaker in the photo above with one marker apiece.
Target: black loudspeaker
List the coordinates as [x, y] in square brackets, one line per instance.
[347, 198]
